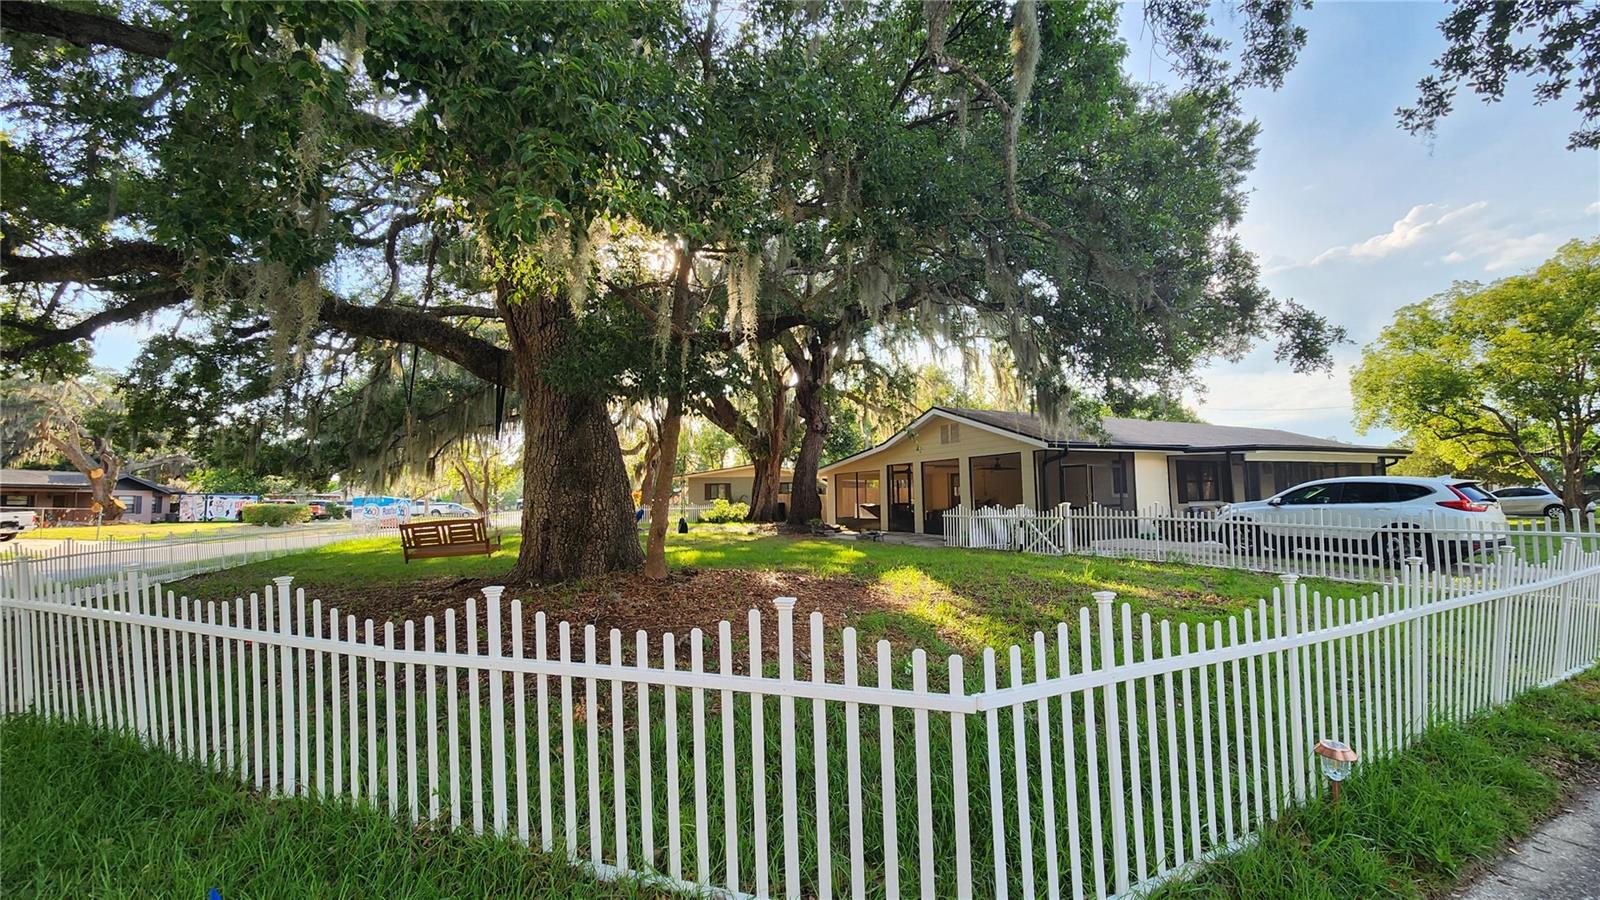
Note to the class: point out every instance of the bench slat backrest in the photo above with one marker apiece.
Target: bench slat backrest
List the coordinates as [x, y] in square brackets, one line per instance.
[443, 533]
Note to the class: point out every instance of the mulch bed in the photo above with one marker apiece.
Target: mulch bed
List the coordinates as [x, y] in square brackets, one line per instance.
[690, 598]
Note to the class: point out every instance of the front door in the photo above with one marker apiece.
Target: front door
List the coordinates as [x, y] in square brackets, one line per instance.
[902, 513]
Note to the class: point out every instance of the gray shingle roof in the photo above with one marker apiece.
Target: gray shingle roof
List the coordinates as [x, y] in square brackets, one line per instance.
[53, 478]
[1144, 433]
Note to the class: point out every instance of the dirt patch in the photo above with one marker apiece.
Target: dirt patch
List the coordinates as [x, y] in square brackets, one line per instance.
[691, 598]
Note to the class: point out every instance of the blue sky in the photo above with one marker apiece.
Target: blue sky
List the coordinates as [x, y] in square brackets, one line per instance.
[1354, 217]
[1350, 215]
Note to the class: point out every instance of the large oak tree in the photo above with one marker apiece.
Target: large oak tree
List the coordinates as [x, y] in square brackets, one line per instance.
[625, 195]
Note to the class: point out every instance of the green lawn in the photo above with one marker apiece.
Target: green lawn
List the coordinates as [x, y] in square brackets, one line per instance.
[1415, 825]
[85, 814]
[943, 600]
[132, 531]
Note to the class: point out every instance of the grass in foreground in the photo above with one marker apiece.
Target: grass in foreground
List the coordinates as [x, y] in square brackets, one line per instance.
[1417, 825]
[85, 814]
[943, 600]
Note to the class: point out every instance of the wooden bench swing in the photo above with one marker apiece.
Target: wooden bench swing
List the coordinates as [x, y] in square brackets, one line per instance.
[445, 537]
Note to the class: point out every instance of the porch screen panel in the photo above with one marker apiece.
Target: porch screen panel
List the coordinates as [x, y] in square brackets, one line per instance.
[858, 497]
[997, 480]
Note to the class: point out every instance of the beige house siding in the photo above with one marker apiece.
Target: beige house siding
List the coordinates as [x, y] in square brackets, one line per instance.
[1151, 475]
[740, 479]
[931, 444]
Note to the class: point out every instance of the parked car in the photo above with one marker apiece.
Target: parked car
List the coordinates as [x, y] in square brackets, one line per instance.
[451, 509]
[1448, 518]
[15, 521]
[1529, 501]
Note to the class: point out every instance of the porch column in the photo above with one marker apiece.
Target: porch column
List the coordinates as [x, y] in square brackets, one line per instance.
[1030, 484]
[917, 507]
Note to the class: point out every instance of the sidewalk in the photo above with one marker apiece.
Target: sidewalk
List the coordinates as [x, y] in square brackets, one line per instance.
[1560, 861]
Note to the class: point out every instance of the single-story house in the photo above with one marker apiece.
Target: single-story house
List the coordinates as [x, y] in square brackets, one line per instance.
[949, 457]
[732, 483]
[54, 494]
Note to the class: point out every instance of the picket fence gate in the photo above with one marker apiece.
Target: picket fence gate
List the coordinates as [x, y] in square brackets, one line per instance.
[1117, 755]
[1314, 542]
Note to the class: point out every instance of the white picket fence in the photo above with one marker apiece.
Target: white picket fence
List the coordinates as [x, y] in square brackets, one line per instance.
[1115, 754]
[73, 560]
[82, 561]
[1321, 543]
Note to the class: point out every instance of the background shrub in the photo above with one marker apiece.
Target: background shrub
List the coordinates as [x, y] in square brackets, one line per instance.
[722, 511]
[274, 513]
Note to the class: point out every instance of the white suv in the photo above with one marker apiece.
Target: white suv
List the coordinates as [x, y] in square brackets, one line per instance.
[1441, 519]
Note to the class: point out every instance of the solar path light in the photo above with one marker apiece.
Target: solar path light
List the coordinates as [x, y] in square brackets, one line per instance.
[1336, 759]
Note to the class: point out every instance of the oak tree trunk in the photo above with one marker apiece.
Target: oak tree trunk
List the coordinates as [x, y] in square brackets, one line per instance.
[811, 371]
[101, 465]
[764, 492]
[577, 512]
[655, 561]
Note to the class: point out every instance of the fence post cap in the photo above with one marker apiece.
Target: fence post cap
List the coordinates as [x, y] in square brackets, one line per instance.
[492, 592]
[1569, 541]
[785, 602]
[1104, 597]
[1289, 578]
[283, 581]
[1414, 562]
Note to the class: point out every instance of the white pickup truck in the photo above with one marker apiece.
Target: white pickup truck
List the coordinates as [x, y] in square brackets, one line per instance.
[15, 521]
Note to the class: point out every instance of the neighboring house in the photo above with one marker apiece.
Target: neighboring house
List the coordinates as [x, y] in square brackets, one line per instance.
[734, 484]
[54, 494]
[950, 457]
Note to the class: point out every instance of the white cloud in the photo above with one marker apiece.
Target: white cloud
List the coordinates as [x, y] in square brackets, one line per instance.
[1505, 251]
[1412, 229]
[1593, 209]
[1454, 236]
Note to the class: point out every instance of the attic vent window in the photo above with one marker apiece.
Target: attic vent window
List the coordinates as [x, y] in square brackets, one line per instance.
[950, 433]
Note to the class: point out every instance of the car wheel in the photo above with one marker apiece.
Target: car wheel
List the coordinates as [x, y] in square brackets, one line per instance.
[1554, 511]
[6, 536]
[1396, 545]
[435, 512]
[1244, 537]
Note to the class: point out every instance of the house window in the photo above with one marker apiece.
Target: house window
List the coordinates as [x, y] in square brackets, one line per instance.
[1199, 481]
[14, 500]
[950, 433]
[61, 500]
[155, 505]
[785, 487]
[132, 503]
[719, 490]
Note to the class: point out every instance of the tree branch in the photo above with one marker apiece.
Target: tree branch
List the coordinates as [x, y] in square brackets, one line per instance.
[121, 258]
[46, 337]
[486, 360]
[85, 29]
